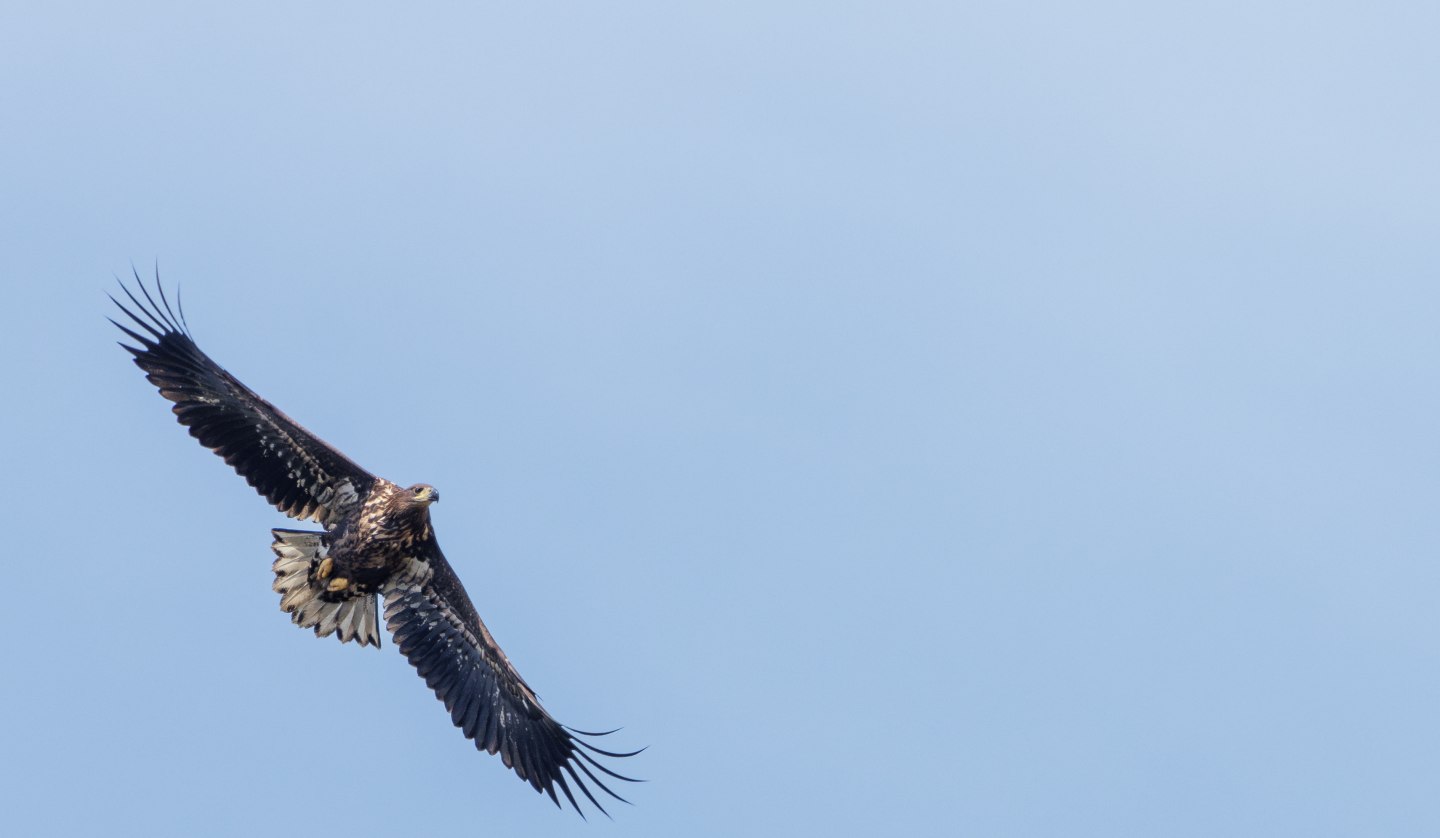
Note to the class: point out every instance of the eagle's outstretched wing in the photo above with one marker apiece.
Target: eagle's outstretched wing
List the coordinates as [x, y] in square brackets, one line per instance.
[438, 630]
[294, 469]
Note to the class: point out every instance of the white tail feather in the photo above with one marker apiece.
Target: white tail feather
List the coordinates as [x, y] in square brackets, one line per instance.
[304, 597]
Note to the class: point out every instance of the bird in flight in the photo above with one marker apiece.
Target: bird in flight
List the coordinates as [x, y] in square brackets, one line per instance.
[377, 546]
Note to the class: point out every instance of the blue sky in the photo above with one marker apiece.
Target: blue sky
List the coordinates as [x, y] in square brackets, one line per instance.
[909, 418]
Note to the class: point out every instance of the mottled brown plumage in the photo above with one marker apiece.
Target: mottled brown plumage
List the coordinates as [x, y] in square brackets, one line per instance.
[378, 544]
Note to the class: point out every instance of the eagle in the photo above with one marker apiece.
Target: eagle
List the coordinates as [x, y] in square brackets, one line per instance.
[377, 546]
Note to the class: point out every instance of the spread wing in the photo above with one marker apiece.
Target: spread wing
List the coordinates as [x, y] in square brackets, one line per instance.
[437, 629]
[294, 469]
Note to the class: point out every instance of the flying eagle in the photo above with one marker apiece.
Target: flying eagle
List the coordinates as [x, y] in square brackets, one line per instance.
[378, 544]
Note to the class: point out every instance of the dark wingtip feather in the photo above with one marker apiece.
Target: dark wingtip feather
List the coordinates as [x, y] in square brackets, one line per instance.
[600, 766]
[161, 288]
[159, 318]
[180, 305]
[136, 319]
[149, 322]
[603, 752]
[578, 758]
[154, 308]
[148, 344]
[596, 780]
[591, 733]
[569, 769]
[560, 778]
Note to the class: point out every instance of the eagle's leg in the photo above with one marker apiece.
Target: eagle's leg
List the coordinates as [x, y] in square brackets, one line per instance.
[327, 566]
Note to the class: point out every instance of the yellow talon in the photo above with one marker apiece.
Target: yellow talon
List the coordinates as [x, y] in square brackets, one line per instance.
[338, 584]
[326, 566]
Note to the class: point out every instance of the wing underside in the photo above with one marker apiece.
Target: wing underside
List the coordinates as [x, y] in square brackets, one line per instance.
[301, 474]
[437, 629]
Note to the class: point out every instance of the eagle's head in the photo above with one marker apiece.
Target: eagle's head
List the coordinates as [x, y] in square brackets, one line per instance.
[421, 495]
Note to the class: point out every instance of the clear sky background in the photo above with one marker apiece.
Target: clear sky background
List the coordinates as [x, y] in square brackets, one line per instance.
[980, 419]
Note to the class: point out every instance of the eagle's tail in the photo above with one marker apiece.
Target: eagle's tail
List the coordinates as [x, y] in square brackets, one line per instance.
[306, 597]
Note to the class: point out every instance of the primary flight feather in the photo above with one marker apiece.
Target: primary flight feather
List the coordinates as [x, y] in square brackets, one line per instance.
[377, 546]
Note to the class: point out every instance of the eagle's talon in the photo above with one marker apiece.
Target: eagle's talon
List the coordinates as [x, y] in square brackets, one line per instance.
[326, 566]
[339, 583]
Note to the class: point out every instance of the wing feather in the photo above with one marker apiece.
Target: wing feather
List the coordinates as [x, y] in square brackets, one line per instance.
[301, 474]
[437, 629]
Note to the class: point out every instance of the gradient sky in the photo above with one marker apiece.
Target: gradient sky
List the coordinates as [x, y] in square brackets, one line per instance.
[980, 419]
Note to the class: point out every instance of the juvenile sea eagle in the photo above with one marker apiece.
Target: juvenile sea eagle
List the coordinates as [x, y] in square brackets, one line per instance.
[377, 544]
